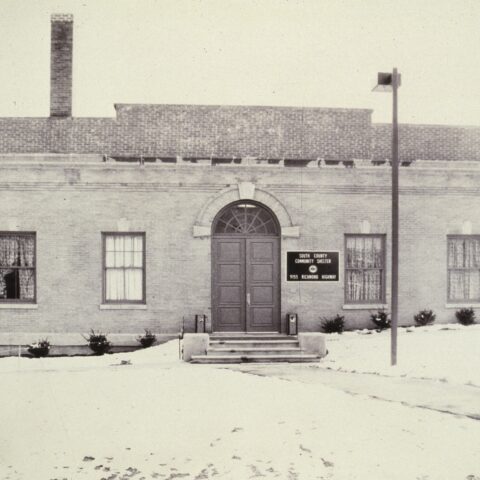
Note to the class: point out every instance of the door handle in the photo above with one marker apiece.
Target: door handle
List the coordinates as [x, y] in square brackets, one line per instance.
[248, 299]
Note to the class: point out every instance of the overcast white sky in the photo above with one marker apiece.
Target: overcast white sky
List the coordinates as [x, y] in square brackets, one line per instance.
[249, 52]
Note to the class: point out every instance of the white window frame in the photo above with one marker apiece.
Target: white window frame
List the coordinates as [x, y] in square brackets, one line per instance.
[106, 301]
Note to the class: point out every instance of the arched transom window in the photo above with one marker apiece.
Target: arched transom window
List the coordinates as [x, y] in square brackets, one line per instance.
[245, 219]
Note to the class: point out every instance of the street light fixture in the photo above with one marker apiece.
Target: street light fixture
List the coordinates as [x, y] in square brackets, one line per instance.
[389, 82]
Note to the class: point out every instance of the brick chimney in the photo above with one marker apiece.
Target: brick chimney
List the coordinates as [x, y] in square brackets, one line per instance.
[61, 65]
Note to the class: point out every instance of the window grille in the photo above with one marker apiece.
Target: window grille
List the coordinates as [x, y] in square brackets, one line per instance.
[246, 219]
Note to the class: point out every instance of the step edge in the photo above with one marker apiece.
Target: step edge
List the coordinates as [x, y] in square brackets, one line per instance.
[253, 341]
[255, 356]
[278, 350]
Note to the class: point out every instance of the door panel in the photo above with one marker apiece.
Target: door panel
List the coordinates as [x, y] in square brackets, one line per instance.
[262, 284]
[261, 294]
[230, 319]
[228, 256]
[230, 250]
[262, 250]
[229, 272]
[230, 295]
[261, 273]
[262, 318]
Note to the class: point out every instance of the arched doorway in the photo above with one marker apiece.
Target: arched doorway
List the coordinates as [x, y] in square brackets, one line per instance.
[246, 269]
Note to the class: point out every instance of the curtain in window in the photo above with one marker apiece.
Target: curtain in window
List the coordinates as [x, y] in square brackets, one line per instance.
[464, 285]
[364, 285]
[115, 284]
[464, 253]
[16, 251]
[364, 252]
[17, 273]
[27, 284]
[133, 284]
[124, 267]
[364, 263]
[464, 268]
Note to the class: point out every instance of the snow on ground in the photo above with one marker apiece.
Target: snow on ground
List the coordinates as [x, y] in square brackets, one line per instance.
[448, 353]
[147, 415]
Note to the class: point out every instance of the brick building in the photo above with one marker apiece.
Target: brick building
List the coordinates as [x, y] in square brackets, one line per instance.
[167, 211]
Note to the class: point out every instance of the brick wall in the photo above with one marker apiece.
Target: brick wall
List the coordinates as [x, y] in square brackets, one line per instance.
[197, 131]
[61, 62]
[428, 142]
[268, 132]
[57, 135]
[69, 206]
[234, 131]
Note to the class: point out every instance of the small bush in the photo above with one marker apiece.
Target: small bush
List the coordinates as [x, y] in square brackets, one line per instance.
[424, 317]
[335, 324]
[381, 319]
[98, 342]
[147, 339]
[466, 316]
[39, 349]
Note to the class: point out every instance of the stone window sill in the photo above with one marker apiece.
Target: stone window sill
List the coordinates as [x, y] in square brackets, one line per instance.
[122, 306]
[365, 306]
[463, 305]
[18, 306]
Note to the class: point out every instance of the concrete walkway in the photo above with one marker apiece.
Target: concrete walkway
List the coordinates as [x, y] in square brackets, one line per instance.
[454, 399]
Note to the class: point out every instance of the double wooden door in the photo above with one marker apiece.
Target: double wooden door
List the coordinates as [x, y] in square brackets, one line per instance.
[245, 289]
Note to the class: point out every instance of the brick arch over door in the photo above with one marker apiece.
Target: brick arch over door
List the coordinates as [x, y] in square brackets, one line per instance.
[209, 211]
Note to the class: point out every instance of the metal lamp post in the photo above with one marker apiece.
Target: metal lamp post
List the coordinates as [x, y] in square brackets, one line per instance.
[389, 82]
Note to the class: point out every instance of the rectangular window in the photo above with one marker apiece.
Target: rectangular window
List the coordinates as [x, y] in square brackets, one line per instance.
[17, 267]
[463, 268]
[364, 268]
[124, 268]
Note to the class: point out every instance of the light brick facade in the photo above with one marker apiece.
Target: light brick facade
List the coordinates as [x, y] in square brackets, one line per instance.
[70, 202]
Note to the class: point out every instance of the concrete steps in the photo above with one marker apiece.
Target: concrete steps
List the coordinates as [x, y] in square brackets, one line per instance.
[245, 344]
[255, 348]
[251, 336]
[300, 358]
[253, 351]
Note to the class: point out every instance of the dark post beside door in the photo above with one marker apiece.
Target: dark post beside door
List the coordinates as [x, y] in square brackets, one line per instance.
[246, 269]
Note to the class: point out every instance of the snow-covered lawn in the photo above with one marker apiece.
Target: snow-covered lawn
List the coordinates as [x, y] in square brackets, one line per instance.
[156, 417]
[449, 353]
